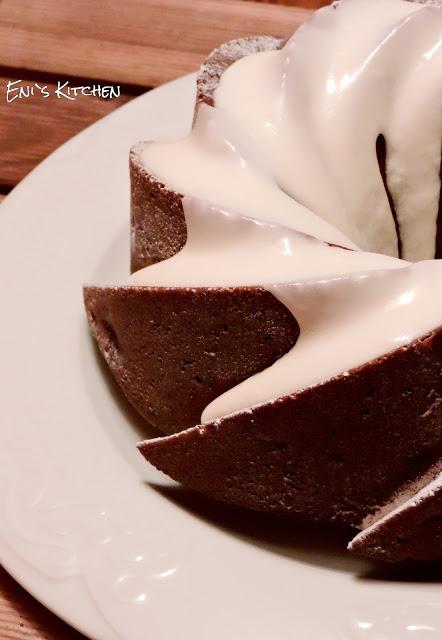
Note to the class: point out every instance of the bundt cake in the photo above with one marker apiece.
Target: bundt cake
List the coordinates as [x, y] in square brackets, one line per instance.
[407, 528]
[283, 324]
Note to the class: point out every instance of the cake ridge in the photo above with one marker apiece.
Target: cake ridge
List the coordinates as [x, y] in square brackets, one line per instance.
[160, 230]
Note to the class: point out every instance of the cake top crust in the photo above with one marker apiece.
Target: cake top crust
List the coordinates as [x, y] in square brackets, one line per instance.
[285, 164]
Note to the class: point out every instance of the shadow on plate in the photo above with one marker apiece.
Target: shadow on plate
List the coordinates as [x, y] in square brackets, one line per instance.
[417, 572]
[319, 545]
[323, 546]
[290, 537]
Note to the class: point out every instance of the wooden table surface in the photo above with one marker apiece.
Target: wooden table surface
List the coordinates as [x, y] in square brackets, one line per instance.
[137, 44]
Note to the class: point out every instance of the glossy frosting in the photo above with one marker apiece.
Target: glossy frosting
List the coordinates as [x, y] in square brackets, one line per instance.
[352, 306]
[286, 162]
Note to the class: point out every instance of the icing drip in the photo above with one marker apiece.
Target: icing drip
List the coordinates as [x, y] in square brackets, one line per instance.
[286, 163]
[351, 306]
[344, 323]
[224, 249]
[212, 163]
[304, 121]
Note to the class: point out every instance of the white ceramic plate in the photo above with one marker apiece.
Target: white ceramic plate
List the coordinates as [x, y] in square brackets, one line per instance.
[103, 540]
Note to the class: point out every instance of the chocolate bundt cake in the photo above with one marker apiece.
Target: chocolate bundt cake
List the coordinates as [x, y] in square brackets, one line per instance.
[283, 323]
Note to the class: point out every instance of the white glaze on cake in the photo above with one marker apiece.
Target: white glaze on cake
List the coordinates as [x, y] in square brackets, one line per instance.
[213, 164]
[225, 249]
[316, 108]
[304, 121]
[351, 306]
[300, 126]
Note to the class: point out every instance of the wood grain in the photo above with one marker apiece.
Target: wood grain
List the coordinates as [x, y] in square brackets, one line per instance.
[23, 618]
[144, 42]
[309, 4]
[31, 128]
[141, 42]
